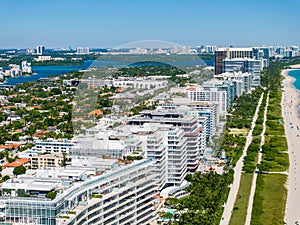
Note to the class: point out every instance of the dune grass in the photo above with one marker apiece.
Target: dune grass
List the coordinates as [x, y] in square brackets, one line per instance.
[269, 200]
[241, 203]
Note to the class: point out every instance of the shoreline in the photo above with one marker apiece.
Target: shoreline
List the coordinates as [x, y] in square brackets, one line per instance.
[296, 66]
[289, 103]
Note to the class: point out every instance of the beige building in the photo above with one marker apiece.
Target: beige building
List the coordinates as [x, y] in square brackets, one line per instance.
[47, 160]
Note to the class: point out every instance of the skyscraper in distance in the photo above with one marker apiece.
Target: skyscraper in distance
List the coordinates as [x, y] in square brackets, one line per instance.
[40, 49]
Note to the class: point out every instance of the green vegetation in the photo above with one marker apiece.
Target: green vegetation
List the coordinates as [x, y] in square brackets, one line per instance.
[131, 158]
[275, 147]
[257, 130]
[64, 161]
[250, 160]
[270, 196]
[21, 193]
[241, 117]
[96, 196]
[154, 69]
[5, 178]
[243, 110]
[64, 217]
[51, 195]
[239, 212]
[68, 59]
[19, 170]
[269, 200]
[148, 69]
[203, 206]
[164, 58]
[6, 191]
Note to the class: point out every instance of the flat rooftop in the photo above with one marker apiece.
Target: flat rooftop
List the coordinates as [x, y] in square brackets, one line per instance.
[30, 184]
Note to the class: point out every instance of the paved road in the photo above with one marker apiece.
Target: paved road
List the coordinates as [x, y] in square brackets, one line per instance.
[237, 173]
[253, 187]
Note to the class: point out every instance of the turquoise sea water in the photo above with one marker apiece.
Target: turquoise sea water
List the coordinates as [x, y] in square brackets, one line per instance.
[296, 75]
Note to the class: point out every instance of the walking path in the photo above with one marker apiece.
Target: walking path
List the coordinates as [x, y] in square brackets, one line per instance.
[237, 173]
[253, 187]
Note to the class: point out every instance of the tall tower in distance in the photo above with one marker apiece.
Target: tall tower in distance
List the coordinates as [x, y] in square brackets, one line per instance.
[40, 49]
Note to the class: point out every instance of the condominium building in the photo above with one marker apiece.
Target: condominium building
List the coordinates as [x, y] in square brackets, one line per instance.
[123, 195]
[245, 80]
[221, 85]
[42, 58]
[52, 146]
[208, 119]
[46, 160]
[213, 95]
[26, 67]
[101, 144]
[139, 83]
[40, 49]
[203, 137]
[82, 51]
[230, 53]
[245, 65]
[156, 150]
[181, 153]
[207, 114]
[170, 150]
[188, 124]
[239, 87]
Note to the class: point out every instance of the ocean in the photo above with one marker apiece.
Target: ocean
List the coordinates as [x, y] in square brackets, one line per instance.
[296, 74]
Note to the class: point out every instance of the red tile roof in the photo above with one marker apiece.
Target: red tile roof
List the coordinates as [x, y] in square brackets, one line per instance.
[18, 162]
[10, 146]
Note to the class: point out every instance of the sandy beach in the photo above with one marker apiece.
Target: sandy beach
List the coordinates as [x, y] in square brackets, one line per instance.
[290, 101]
[297, 66]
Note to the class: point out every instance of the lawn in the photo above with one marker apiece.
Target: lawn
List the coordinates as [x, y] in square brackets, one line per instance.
[269, 200]
[241, 203]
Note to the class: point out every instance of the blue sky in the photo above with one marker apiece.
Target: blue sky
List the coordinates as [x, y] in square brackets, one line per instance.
[109, 23]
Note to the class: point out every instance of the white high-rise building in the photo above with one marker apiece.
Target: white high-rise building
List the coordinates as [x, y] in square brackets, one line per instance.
[245, 65]
[189, 124]
[213, 95]
[52, 146]
[242, 81]
[177, 156]
[83, 51]
[201, 109]
[26, 67]
[40, 49]
[156, 150]
[14, 70]
[122, 195]
[210, 49]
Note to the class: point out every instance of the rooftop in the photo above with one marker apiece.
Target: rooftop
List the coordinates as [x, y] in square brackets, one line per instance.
[45, 180]
[10, 146]
[234, 49]
[16, 163]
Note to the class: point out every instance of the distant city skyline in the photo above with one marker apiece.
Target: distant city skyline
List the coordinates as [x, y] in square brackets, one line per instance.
[105, 24]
